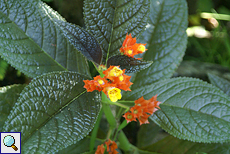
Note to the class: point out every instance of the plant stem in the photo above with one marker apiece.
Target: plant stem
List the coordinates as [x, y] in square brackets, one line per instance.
[94, 132]
[124, 142]
[108, 113]
[122, 125]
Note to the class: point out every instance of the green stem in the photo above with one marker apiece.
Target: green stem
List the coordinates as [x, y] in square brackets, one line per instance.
[122, 125]
[124, 142]
[117, 104]
[108, 113]
[94, 132]
[125, 101]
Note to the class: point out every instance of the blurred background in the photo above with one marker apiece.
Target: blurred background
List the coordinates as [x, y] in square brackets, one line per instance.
[208, 48]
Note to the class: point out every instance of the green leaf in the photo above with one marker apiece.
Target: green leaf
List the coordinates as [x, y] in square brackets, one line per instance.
[82, 40]
[191, 109]
[166, 40]
[130, 65]
[53, 112]
[221, 83]
[149, 134]
[8, 97]
[33, 43]
[80, 147]
[110, 21]
[174, 145]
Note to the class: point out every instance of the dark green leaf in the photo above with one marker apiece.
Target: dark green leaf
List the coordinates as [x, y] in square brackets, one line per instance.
[191, 109]
[110, 21]
[174, 145]
[130, 65]
[82, 40]
[8, 97]
[53, 112]
[166, 38]
[80, 147]
[149, 134]
[221, 83]
[33, 43]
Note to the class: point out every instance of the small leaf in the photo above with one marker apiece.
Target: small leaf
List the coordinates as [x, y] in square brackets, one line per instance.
[166, 40]
[53, 112]
[221, 83]
[110, 21]
[174, 145]
[191, 109]
[33, 43]
[82, 40]
[8, 97]
[130, 64]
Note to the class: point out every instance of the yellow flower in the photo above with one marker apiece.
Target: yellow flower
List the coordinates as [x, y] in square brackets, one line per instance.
[115, 71]
[114, 94]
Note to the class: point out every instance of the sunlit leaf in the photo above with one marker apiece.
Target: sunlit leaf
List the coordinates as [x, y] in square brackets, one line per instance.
[33, 43]
[221, 83]
[8, 97]
[53, 112]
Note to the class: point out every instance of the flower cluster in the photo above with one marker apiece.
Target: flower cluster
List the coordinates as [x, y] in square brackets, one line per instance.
[131, 48]
[142, 110]
[111, 147]
[111, 84]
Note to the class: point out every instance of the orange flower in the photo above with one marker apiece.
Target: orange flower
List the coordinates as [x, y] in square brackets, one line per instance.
[89, 85]
[100, 149]
[142, 110]
[153, 105]
[130, 48]
[129, 117]
[123, 82]
[112, 72]
[144, 118]
[137, 111]
[100, 83]
[111, 147]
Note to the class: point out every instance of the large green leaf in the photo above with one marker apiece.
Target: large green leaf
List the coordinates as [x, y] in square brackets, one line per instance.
[174, 145]
[82, 40]
[221, 83]
[32, 42]
[111, 20]
[166, 40]
[191, 109]
[53, 112]
[8, 97]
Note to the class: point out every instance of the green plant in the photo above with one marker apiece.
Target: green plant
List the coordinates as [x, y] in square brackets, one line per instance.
[55, 113]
